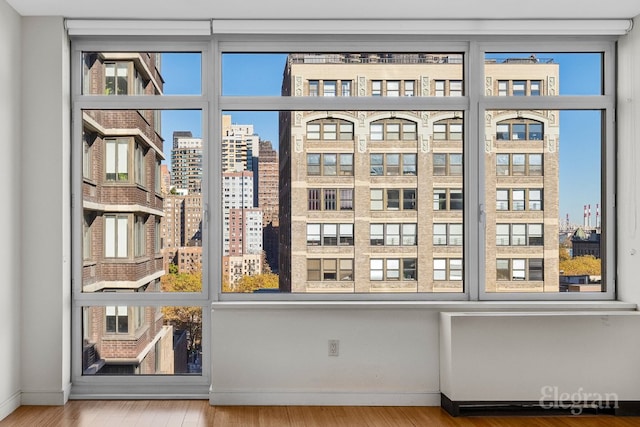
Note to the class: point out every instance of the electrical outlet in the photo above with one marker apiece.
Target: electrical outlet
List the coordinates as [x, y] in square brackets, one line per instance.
[334, 347]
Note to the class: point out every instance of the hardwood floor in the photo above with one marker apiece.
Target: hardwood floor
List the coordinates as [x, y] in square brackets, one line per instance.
[192, 413]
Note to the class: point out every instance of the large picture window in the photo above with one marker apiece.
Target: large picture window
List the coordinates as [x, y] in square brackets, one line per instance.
[373, 174]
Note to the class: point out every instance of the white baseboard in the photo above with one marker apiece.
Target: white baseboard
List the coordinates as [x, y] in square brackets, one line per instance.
[9, 405]
[48, 398]
[323, 399]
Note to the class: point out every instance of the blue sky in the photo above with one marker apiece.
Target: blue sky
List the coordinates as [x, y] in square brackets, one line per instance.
[261, 75]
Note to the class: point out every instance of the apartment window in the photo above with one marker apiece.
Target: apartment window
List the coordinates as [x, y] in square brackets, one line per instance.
[390, 164]
[314, 235]
[86, 236]
[521, 130]
[139, 236]
[345, 87]
[346, 199]
[313, 87]
[503, 235]
[447, 164]
[330, 163]
[519, 88]
[455, 88]
[330, 234]
[447, 234]
[393, 130]
[447, 199]
[535, 86]
[329, 88]
[139, 164]
[157, 236]
[503, 88]
[439, 88]
[116, 320]
[330, 269]
[520, 269]
[519, 164]
[158, 178]
[330, 199]
[502, 200]
[345, 234]
[116, 78]
[409, 166]
[409, 88]
[329, 130]
[87, 163]
[448, 130]
[535, 199]
[314, 199]
[117, 159]
[116, 236]
[447, 269]
[393, 234]
[376, 88]
[392, 269]
[346, 165]
[393, 88]
[313, 164]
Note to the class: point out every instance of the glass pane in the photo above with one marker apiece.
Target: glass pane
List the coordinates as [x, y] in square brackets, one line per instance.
[142, 235]
[547, 73]
[142, 73]
[133, 340]
[341, 74]
[548, 197]
[386, 207]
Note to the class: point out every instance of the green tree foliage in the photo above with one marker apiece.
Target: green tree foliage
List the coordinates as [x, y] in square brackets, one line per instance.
[184, 318]
[580, 265]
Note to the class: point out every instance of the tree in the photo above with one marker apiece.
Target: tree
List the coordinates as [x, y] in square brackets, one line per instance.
[581, 265]
[249, 284]
[184, 318]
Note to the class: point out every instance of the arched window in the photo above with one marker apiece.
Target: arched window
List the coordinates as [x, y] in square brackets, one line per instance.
[519, 130]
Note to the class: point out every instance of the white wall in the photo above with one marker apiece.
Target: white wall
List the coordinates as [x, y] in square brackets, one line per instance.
[280, 355]
[10, 78]
[628, 160]
[45, 252]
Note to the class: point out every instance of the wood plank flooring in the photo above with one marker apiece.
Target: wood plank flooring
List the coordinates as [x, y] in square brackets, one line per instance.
[195, 413]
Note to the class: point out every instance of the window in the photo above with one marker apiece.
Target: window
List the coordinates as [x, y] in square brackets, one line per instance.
[503, 88]
[447, 269]
[330, 199]
[392, 130]
[519, 165]
[447, 199]
[330, 269]
[86, 236]
[116, 78]
[313, 87]
[519, 87]
[140, 167]
[116, 236]
[447, 234]
[376, 88]
[346, 88]
[409, 88]
[393, 199]
[520, 269]
[329, 88]
[116, 320]
[448, 130]
[329, 130]
[393, 269]
[139, 236]
[519, 130]
[447, 164]
[117, 159]
[393, 88]
[390, 164]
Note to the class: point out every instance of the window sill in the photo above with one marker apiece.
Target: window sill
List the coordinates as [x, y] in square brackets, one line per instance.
[534, 306]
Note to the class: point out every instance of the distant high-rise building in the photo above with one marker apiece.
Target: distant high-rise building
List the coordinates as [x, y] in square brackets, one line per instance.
[267, 183]
[239, 146]
[186, 162]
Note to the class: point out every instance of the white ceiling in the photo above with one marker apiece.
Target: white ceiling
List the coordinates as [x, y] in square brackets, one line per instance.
[330, 9]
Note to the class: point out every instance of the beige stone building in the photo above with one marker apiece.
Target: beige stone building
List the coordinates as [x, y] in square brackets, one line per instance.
[372, 201]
